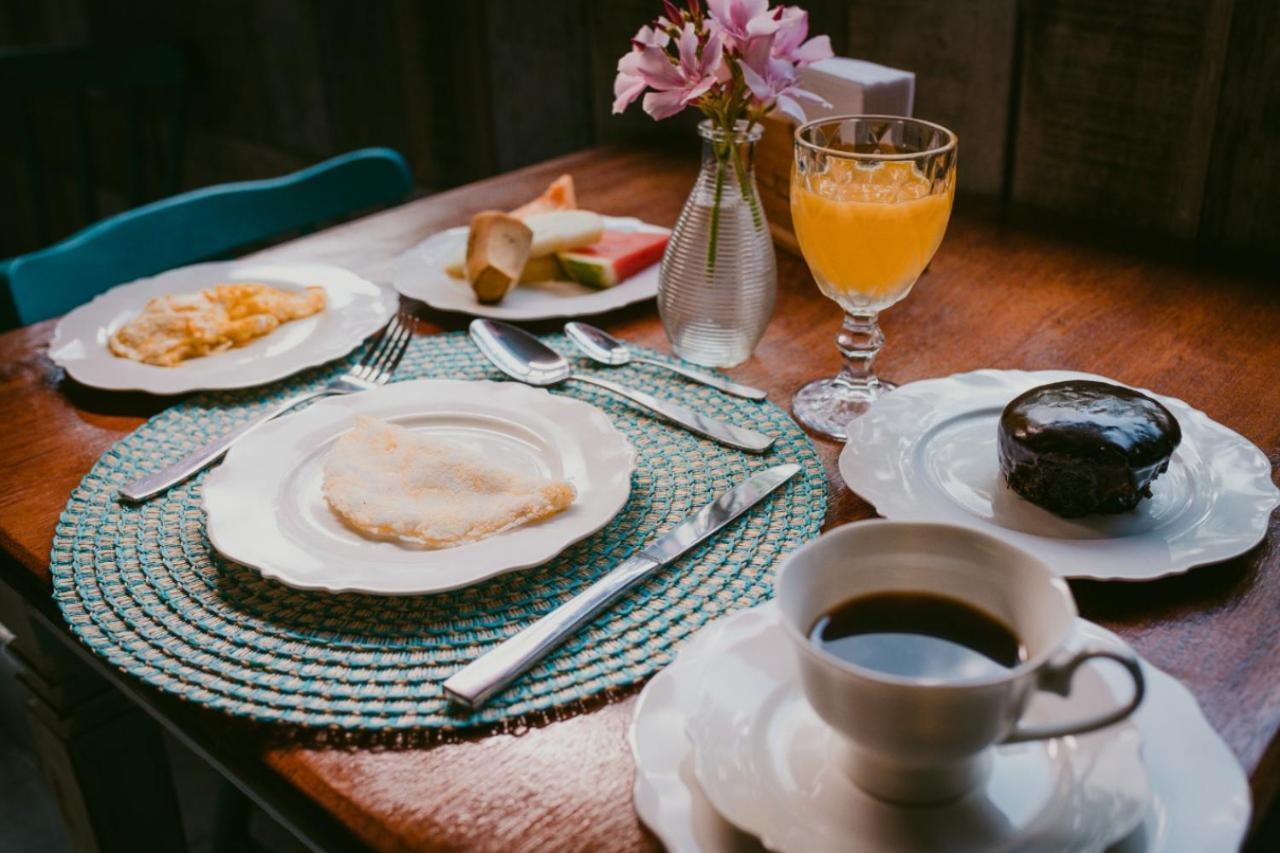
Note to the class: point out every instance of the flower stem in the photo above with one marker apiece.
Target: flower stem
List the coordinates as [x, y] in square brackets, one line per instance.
[745, 186]
[715, 213]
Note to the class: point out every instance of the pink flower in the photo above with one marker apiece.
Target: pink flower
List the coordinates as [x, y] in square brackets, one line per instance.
[789, 43]
[740, 20]
[629, 83]
[648, 36]
[772, 78]
[687, 58]
[677, 84]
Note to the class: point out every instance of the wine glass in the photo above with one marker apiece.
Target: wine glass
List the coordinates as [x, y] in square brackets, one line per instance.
[870, 200]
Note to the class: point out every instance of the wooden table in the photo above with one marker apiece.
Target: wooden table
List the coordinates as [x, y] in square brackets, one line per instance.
[997, 295]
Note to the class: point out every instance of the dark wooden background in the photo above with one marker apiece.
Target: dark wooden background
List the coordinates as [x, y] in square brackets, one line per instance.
[1147, 116]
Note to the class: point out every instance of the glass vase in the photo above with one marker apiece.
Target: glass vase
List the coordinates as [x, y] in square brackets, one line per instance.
[719, 280]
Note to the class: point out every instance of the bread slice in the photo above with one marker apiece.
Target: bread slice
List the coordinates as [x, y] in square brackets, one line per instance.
[497, 249]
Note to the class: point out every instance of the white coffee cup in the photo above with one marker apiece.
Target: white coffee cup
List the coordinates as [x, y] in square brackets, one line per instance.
[916, 740]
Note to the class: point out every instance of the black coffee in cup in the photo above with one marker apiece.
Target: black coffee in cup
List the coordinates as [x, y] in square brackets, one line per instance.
[918, 635]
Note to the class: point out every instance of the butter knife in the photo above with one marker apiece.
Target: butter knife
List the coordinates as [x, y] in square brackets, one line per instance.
[479, 680]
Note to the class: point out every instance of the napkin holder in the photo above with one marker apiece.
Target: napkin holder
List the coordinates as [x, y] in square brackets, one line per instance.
[852, 87]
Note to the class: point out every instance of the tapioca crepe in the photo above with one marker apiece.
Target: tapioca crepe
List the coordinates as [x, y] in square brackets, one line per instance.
[388, 482]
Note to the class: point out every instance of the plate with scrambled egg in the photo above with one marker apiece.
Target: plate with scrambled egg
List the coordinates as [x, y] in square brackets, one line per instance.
[218, 325]
[418, 487]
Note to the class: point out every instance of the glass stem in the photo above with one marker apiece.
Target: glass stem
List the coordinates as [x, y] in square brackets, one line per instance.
[860, 340]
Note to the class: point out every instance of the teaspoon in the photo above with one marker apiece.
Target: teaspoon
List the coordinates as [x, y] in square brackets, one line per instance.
[526, 359]
[599, 345]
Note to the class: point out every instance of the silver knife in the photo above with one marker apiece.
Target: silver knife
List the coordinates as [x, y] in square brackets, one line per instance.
[476, 682]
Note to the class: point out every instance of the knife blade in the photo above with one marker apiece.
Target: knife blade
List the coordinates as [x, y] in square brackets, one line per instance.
[479, 680]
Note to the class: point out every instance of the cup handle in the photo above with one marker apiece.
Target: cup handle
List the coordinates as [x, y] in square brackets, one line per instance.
[1056, 678]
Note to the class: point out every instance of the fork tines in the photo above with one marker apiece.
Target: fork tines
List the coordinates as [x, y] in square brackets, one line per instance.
[386, 350]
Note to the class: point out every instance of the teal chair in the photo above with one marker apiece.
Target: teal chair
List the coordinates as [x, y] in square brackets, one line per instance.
[199, 225]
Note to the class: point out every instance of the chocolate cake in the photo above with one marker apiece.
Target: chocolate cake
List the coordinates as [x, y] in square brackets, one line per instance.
[1080, 447]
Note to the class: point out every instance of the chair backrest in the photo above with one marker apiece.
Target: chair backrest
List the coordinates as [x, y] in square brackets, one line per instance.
[133, 79]
[200, 225]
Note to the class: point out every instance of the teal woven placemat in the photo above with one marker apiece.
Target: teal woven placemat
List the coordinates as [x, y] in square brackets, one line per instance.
[142, 587]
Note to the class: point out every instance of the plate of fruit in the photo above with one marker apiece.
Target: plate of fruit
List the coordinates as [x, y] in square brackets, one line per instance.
[544, 260]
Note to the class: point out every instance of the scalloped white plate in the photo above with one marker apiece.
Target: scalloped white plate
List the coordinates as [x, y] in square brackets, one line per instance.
[266, 510]
[356, 309]
[927, 452]
[419, 274]
[1200, 797]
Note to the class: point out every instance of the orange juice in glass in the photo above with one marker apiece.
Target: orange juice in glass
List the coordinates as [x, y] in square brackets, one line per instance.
[870, 200]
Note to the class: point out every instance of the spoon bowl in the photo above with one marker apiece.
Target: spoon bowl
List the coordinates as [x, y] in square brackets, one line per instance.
[519, 354]
[602, 347]
[598, 345]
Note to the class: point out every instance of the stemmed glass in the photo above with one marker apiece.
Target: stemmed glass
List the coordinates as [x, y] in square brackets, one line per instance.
[870, 200]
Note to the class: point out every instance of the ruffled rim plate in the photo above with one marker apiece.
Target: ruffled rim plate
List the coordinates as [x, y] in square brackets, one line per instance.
[419, 274]
[926, 452]
[265, 509]
[356, 309]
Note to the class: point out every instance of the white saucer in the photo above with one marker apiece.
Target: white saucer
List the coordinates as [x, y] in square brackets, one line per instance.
[1200, 795]
[419, 274]
[265, 508]
[355, 309]
[927, 452]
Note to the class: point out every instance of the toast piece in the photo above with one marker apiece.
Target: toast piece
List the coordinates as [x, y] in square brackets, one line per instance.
[497, 249]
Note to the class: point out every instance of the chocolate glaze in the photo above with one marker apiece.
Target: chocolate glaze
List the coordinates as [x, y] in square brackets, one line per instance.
[1079, 447]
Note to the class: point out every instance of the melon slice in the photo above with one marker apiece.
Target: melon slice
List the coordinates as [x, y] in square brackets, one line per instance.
[614, 258]
[546, 268]
[559, 195]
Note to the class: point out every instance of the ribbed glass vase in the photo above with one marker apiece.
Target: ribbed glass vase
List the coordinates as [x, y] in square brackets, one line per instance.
[719, 279]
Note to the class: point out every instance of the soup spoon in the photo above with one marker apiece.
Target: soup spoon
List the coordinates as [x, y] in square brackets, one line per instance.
[526, 359]
[599, 345]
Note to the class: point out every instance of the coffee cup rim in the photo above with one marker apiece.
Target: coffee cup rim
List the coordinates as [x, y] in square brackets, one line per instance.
[1029, 665]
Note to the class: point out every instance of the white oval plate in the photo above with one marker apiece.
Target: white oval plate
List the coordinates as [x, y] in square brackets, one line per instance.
[265, 508]
[927, 452]
[355, 309]
[419, 274]
[1207, 809]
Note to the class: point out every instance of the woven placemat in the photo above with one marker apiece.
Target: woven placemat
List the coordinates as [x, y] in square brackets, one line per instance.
[142, 587]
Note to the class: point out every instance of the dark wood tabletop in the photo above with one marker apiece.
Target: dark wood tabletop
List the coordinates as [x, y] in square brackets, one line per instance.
[999, 294]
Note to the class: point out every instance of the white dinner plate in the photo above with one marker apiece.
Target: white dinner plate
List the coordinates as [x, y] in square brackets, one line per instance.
[927, 452]
[419, 274]
[265, 508]
[1199, 795]
[354, 310]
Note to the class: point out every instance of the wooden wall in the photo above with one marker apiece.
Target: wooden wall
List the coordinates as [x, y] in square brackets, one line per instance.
[1153, 115]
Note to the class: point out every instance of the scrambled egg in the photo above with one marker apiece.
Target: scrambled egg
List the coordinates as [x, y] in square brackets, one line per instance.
[171, 329]
[387, 482]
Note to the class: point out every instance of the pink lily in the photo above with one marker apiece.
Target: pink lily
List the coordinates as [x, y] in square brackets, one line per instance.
[789, 41]
[629, 83]
[676, 85]
[771, 78]
[738, 21]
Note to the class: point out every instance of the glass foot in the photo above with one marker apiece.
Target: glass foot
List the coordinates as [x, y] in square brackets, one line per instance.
[827, 405]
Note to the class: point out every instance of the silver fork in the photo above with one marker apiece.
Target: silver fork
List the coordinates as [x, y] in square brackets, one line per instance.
[375, 369]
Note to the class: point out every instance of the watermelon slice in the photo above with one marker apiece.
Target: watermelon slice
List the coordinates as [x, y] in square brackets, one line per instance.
[614, 258]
